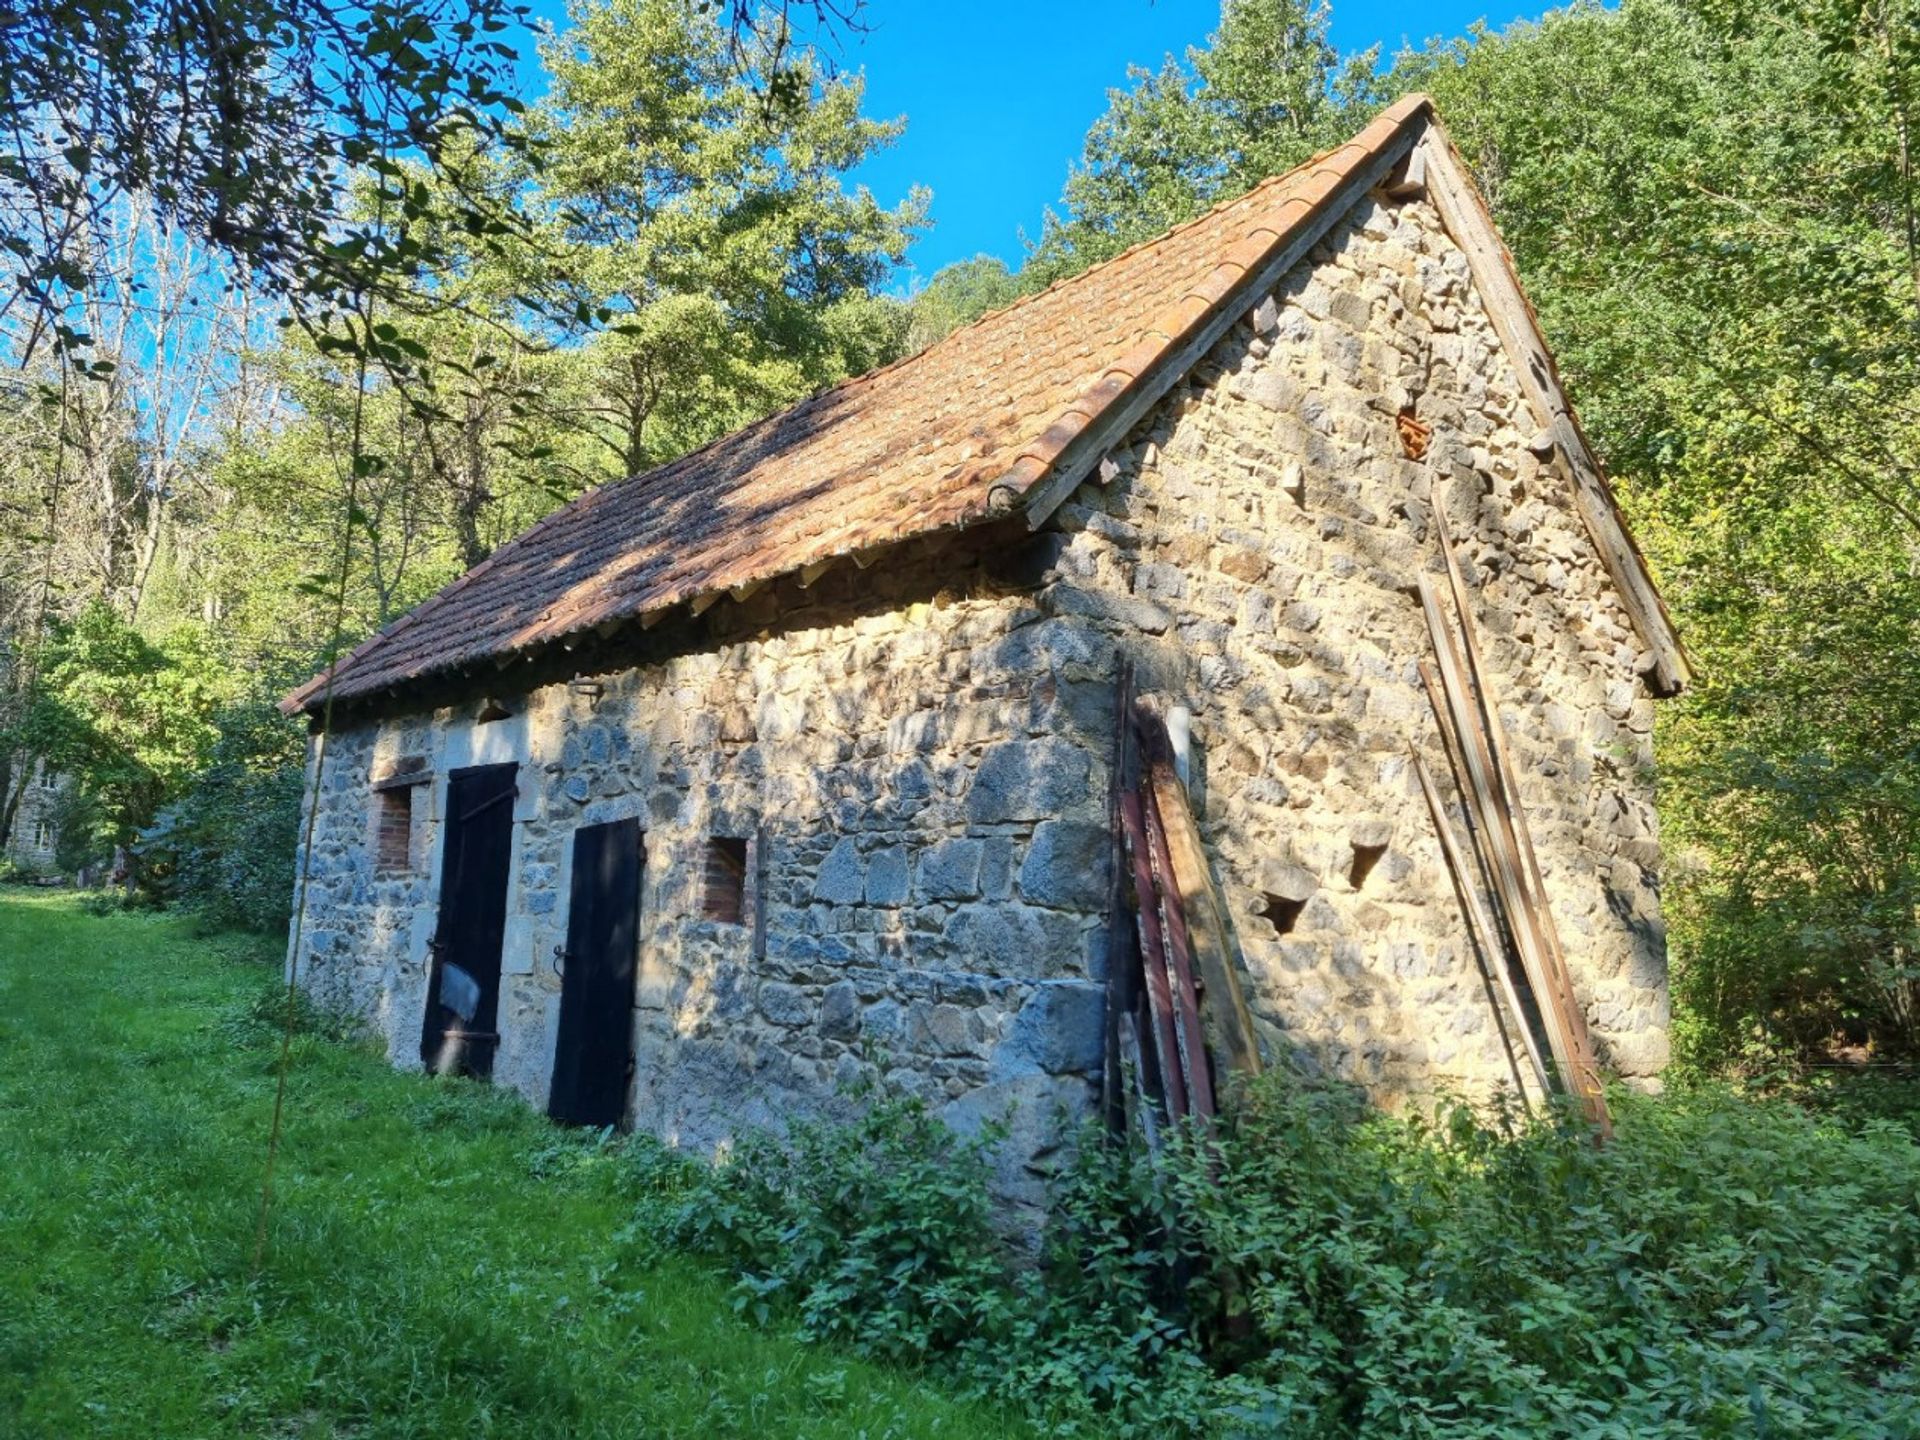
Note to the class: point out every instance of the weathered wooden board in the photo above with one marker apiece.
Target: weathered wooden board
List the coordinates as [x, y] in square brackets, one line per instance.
[1486, 936]
[1467, 221]
[1192, 1034]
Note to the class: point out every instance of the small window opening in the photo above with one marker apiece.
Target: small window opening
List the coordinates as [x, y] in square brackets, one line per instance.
[1365, 857]
[1280, 912]
[393, 844]
[725, 892]
[42, 835]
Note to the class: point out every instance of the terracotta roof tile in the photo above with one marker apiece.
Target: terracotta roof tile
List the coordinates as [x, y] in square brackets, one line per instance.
[945, 438]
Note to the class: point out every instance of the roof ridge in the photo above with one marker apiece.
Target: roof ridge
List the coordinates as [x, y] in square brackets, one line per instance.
[1066, 280]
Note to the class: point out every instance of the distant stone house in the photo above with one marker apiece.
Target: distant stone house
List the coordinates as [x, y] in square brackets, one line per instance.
[787, 763]
[31, 843]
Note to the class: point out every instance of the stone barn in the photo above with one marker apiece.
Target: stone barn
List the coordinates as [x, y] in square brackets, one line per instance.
[787, 764]
[31, 842]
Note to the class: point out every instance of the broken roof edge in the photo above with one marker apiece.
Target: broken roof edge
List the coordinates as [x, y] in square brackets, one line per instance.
[1065, 451]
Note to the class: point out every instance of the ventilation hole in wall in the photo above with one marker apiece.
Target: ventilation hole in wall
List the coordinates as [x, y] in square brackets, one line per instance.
[724, 896]
[1365, 857]
[1415, 434]
[1280, 912]
[393, 843]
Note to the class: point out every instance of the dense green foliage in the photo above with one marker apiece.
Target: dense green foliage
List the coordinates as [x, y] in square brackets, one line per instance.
[1713, 206]
[226, 847]
[242, 122]
[1265, 93]
[442, 1260]
[957, 295]
[1727, 1267]
[684, 254]
[135, 716]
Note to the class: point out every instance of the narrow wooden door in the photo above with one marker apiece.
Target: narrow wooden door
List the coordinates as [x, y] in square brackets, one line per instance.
[461, 1031]
[593, 1054]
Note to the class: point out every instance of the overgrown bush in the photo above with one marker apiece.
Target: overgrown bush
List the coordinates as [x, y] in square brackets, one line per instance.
[226, 847]
[1726, 1267]
[269, 1012]
[879, 1232]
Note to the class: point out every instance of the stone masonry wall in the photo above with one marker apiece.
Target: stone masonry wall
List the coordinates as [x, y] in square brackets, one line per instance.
[31, 843]
[920, 770]
[1264, 531]
[918, 754]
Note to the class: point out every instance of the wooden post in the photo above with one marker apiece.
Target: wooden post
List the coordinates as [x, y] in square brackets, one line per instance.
[1186, 992]
[1153, 957]
[1229, 1021]
[1502, 823]
[1481, 927]
[1123, 974]
[1587, 1080]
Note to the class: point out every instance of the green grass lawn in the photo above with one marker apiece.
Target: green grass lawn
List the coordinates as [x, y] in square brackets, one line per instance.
[443, 1262]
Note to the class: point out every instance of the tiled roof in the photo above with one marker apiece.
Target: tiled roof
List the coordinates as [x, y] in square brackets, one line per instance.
[964, 431]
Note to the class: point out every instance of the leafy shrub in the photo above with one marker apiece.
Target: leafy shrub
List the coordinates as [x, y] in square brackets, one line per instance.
[877, 1232]
[226, 848]
[267, 1013]
[1726, 1267]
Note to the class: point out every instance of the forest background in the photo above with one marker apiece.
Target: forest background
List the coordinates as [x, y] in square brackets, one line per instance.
[1712, 203]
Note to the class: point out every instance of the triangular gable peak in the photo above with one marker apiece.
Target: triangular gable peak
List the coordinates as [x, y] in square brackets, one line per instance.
[1009, 414]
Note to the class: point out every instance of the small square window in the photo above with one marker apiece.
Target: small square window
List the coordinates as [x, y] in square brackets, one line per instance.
[724, 895]
[393, 836]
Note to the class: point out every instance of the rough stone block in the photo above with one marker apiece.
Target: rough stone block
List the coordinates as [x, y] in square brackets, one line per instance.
[1111, 608]
[1058, 1031]
[1008, 939]
[840, 1011]
[1028, 780]
[1066, 865]
[787, 1005]
[887, 879]
[516, 946]
[950, 870]
[1040, 1112]
[842, 878]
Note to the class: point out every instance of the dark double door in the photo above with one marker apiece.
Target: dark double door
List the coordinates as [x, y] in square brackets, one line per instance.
[461, 1031]
[593, 1053]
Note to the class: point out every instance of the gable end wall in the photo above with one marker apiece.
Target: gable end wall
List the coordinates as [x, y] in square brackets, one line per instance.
[1257, 550]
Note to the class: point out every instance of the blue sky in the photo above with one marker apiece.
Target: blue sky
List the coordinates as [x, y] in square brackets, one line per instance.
[998, 94]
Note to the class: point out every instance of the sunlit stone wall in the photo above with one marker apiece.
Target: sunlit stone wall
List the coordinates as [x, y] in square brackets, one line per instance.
[917, 754]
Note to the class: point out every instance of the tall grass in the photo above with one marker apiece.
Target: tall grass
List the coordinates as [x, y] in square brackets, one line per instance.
[442, 1260]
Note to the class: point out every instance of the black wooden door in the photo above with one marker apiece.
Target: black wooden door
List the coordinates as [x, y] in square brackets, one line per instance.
[593, 1054]
[461, 1030]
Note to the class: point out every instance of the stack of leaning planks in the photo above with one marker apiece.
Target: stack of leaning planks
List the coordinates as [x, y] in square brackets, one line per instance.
[1518, 932]
[1177, 1018]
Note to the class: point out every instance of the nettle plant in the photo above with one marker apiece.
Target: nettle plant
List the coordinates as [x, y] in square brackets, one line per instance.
[1725, 1267]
